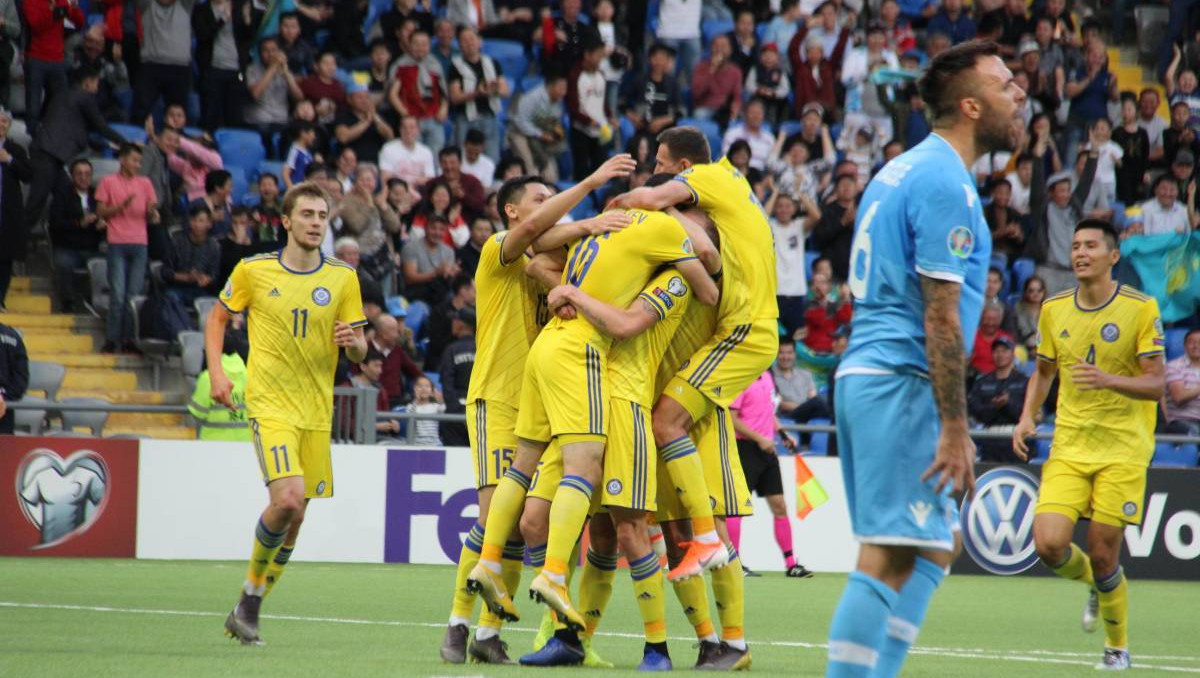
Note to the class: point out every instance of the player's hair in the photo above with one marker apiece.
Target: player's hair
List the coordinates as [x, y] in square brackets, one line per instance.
[943, 87]
[511, 193]
[304, 189]
[686, 143]
[1102, 225]
[664, 178]
[127, 148]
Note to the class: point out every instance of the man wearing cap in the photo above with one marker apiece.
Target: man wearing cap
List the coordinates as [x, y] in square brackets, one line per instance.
[1056, 209]
[814, 133]
[996, 399]
[455, 370]
[360, 127]
[989, 330]
[1164, 213]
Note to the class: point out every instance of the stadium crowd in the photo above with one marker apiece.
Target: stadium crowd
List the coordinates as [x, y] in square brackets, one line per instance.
[411, 113]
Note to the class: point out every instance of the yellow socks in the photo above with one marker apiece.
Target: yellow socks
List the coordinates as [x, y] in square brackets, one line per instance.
[595, 587]
[507, 503]
[464, 601]
[275, 569]
[693, 596]
[687, 475]
[568, 513]
[267, 543]
[729, 590]
[1114, 608]
[648, 589]
[1077, 566]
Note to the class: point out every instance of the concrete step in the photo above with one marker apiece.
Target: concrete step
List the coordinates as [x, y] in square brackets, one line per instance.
[136, 420]
[93, 360]
[42, 341]
[159, 432]
[25, 283]
[24, 321]
[28, 303]
[128, 397]
[100, 380]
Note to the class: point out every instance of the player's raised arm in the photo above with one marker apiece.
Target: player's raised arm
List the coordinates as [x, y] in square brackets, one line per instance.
[659, 197]
[521, 236]
[946, 352]
[564, 234]
[702, 244]
[221, 388]
[616, 322]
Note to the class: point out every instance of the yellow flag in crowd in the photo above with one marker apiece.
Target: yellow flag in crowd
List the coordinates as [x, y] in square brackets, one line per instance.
[809, 493]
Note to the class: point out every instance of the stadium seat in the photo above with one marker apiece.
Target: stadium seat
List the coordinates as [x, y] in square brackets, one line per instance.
[819, 446]
[509, 55]
[1023, 270]
[1174, 338]
[191, 351]
[193, 132]
[98, 275]
[711, 27]
[436, 378]
[1041, 446]
[129, 132]
[809, 258]
[154, 350]
[1169, 454]
[710, 129]
[240, 148]
[46, 377]
[270, 167]
[31, 421]
[418, 313]
[790, 127]
[103, 167]
[527, 83]
[203, 306]
[93, 421]
[241, 184]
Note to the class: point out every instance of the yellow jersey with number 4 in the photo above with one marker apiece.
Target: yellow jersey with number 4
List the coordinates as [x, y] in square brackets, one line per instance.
[633, 363]
[290, 318]
[747, 245]
[1101, 425]
[511, 308]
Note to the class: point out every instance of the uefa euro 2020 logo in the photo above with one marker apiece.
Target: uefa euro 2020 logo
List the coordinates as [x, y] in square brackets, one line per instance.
[997, 524]
[62, 498]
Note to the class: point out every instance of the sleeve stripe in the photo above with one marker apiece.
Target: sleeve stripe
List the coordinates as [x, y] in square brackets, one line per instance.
[662, 314]
[1042, 356]
[675, 261]
[940, 275]
[1147, 354]
[695, 195]
[359, 323]
[227, 306]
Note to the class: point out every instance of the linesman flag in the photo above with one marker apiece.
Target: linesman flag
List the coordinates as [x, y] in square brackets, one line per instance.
[809, 493]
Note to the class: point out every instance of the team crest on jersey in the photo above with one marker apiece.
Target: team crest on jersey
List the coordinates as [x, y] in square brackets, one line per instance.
[687, 245]
[228, 291]
[961, 242]
[664, 298]
[321, 296]
[321, 488]
[1110, 332]
[1158, 328]
[613, 487]
[1129, 509]
[675, 286]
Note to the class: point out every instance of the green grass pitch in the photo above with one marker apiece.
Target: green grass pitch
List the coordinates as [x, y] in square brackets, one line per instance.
[162, 619]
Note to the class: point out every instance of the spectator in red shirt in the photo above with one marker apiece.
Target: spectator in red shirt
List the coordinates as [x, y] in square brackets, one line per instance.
[419, 89]
[814, 75]
[989, 330]
[825, 314]
[397, 365]
[717, 84]
[324, 89]
[45, 56]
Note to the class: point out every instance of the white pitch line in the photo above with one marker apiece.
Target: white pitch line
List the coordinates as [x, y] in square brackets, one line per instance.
[1047, 656]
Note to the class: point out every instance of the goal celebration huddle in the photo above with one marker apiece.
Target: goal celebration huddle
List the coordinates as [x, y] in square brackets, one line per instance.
[609, 356]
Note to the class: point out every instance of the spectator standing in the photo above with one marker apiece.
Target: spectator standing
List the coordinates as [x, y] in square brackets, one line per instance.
[191, 269]
[754, 133]
[419, 12]
[473, 14]
[1150, 121]
[429, 264]
[458, 360]
[565, 38]
[864, 98]
[45, 53]
[814, 76]
[590, 130]
[11, 30]
[679, 29]
[114, 74]
[441, 317]
[784, 25]
[1134, 143]
[15, 170]
[799, 398]
[1008, 235]
[270, 83]
[468, 254]
[419, 89]
[220, 56]
[766, 80]
[744, 41]
[1055, 210]
[790, 232]
[300, 53]
[825, 314]
[1182, 402]
[127, 204]
[476, 86]
[1164, 213]
[717, 85]
[75, 233]
[397, 364]
[406, 157]
[474, 162]
[1028, 309]
[954, 21]
[166, 70]
[537, 136]
[834, 233]
[347, 32]
[14, 374]
[361, 127]
[996, 399]
[1089, 88]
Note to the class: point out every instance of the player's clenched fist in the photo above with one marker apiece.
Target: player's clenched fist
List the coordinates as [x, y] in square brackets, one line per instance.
[343, 335]
[221, 389]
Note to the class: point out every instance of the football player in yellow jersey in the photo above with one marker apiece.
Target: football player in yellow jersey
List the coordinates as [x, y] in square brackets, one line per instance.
[511, 312]
[747, 336]
[564, 394]
[304, 308]
[1104, 341]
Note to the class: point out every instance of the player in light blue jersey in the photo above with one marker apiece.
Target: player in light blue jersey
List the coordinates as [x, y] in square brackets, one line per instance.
[918, 267]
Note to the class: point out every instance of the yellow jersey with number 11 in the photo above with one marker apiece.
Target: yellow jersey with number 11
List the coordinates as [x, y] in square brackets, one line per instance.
[290, 318]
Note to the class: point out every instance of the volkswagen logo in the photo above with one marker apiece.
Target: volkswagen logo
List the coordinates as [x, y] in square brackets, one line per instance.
[62, 498]
[997, 524]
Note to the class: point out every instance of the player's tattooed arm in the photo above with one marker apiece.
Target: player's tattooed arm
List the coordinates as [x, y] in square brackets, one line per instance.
[953, 463]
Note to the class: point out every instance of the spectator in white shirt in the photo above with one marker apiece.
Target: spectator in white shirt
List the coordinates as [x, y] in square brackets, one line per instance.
[790, 231]
[1020, 181]
[1164, 213]
[754, 133]
[1152, 122]
[1109, 159]
[406, 157]
[474, 161]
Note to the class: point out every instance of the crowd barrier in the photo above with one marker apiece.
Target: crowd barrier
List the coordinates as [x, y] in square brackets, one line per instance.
[152, 499]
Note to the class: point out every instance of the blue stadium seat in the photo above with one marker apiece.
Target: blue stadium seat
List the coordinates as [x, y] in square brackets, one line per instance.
[710, 129]
[418, 313]
[1023, 270]
[819, 446]
[270, 167]
[193, 132]
[1175, 337]
[1118, 208]
[241, 184]
[240, 148]
[712, 27]
[627, 129]
[790, 127]
[1168, 454]
[509, 55]
[809, 258]
[528, 83]
[132, 133]
[436, 378]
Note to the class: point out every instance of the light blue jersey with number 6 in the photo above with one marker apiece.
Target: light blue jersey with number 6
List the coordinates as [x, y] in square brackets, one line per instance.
[920, 216]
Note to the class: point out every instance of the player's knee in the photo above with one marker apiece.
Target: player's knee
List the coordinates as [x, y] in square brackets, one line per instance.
[533, 529]
[666, 429]
[632, 537]
[1050, 549]
[777, 505]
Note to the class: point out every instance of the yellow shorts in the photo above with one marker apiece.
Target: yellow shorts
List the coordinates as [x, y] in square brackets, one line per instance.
[727, 489]
[1107, 492]
[629, 458]
[564, 393]
[548, 475]
[490, 431]
[285, 451]
[724, 366]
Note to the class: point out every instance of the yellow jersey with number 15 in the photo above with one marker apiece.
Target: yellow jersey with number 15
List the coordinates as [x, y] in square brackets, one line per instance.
[290, 318]
[747, 244]
[511, 308]
[1101, 425]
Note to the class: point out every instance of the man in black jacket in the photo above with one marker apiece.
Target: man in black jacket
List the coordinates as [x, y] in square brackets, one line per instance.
[457, 361]
[63, 135]
[996, 400]
[221, 54]
[14, 171]
[75, 232]
[440, 328]
[14, 374]
[834, 233]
